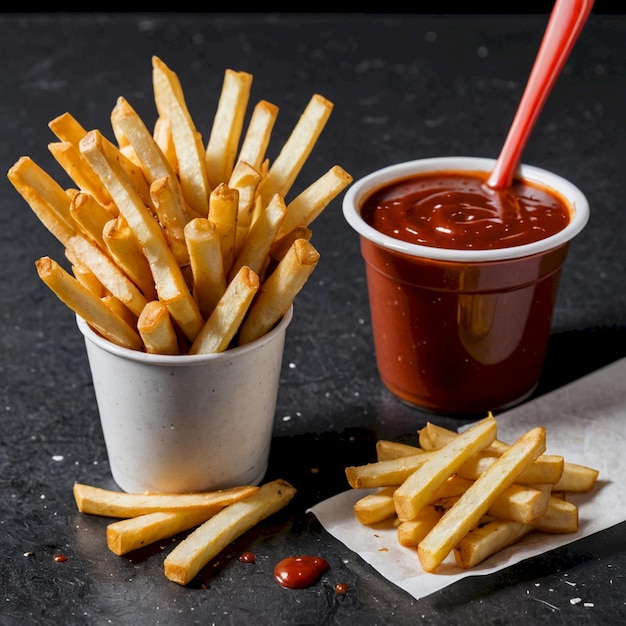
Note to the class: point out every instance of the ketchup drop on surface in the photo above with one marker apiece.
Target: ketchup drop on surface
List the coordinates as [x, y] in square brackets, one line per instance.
[298, 572]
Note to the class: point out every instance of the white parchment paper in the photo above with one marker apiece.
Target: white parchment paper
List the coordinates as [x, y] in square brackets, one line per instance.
[585, 422]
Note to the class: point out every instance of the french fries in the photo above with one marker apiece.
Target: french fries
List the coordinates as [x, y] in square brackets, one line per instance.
[161, 216]
[147, 518]
[468, 495]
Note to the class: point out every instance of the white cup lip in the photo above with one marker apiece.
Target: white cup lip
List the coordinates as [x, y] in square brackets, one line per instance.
[364, 186]
[181, 360]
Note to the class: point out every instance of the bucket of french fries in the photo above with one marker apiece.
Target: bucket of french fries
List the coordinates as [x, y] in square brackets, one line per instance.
[183, 259]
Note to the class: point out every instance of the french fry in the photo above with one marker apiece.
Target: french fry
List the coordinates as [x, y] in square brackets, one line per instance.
[205, 255]
[296, 150]
[385, 473]
[411, 532]
[162, 134]
[279, 290]
[90, 216]
[209, 539]
[281, 245]
[221, 150]
[156, 329]
[124, 249]
[169, 280]
[107, 503]
[107, 272]
[67, 128]
[131, 534]
[245, 180]
[258, 134]
[560, 517]
[190, 152]
[415, 491]
[119, 308]
[255, 251]
[375, 507]
[220, 328]
[87, 279]
[87, 305]
[484, 541]
[45, 197]
[310, 203]
[576, 478]
[223, 210]
[475, 502]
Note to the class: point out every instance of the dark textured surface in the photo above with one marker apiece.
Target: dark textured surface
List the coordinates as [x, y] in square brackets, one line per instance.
[403, 87]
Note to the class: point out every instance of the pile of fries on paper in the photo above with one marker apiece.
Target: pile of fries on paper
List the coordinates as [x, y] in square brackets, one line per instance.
[469, 494]
[177, 247]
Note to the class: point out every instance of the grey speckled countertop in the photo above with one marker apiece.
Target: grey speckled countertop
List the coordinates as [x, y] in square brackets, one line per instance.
[404, 86]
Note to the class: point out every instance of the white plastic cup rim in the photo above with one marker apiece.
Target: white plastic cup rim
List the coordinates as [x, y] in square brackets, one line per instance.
[365, 186]
[179, 360]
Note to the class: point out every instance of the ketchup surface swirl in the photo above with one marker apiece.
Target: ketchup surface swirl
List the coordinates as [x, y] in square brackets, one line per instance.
[456, 210]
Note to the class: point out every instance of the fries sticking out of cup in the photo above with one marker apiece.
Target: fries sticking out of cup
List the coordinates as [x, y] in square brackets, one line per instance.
[201, 234]
[468, 495]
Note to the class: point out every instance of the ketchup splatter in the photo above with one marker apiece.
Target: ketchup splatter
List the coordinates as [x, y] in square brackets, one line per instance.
[341, 589]
[298, 572]
[60, 558]
[247, 557]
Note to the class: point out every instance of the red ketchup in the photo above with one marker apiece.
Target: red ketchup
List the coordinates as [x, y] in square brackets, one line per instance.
[457, 210]
[298, 572]
[461, 337]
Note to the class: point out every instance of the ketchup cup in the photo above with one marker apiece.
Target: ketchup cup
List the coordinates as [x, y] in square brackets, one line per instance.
[462, 331]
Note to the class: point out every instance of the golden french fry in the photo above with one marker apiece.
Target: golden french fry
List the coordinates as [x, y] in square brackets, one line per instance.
[162, 134]
[136, 532]
[386, 449]
[171, 213]
[87, 305]
[258, 134]
[124, 249]
[107, 272]
[190, 153]
[90, 216]
[245, 179]
[205, 255]
[375, 507]
[475, 502]
[209, 539]
[307, 206]
[87, 279]
[484, 541]
[576, 478]
[411, 532]
[223, 210]
[156, 329]
[119, 308]
[255, 251]
[279, 290]
[385, 473]
[223, 143]
[224, 322]
[560, 517]
[107, 503]
[67, 128]
[296, 150]
[415, 491]
[45, 197]
[168, 277]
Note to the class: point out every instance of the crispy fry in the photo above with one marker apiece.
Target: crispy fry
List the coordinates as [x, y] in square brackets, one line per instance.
[45, 197]
[385, 473]
[297, 148]
[208, 540]
[119, 308]
[87, 279]
[169, 280]
[134, 533]
[576, 478]
[375, 507]
[255, 251]
[280, 246]
[245, 179]
[223, 209]
[307, 206]
[87, 305]
[124, 249]
[223, 143]
[162, 134]
[484, 541]
[156, 329]
[560, 517]
[279, 290]
[411, 532]
[107, 503]
[205, 254]
[190, 153]
[475, 502]
[90, 216]
[258, 134]
[226, 318]
[415, 491]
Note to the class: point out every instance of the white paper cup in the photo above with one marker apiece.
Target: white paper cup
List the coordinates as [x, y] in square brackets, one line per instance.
[175, 424]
